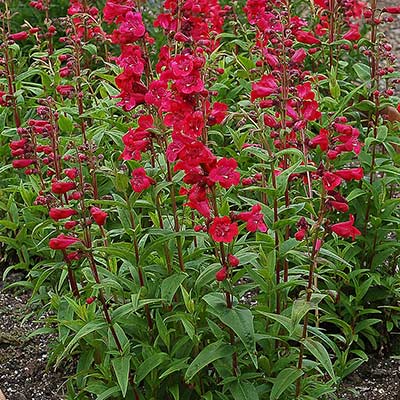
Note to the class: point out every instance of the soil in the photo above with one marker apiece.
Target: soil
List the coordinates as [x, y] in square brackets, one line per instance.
[379, 379]
[23, 360]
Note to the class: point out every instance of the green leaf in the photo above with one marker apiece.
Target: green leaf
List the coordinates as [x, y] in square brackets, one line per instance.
[189, 303]
[121, 367]
[240, 320]
[209, 354]
[355, 193]
[148, 365]
[283, 320]
[282, 179]
[65, 124]
[174, 390]
[108, 393]
[90, 327]
[8, 224]
[365, 105]
[162, 330]
[91, 48]
[321, 355]
[363, 71]
[243, 391]
[258, 152]
[170, 285]
[299, 309]
[176, 365]
[284, 379]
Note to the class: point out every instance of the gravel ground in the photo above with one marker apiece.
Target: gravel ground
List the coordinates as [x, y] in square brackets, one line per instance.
[379, 379]
[23, 373]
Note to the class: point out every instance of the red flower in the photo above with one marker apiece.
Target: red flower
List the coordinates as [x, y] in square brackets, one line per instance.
[300, 234]
[320, 140]
[18, 36]
[392, 10]
[254, 219]
[353, 34]
[223, 229]
[140, 180]
[299, 56]
[339, 205]
[72, 173]
[59, 187]
[17, 144]
[304, 91]
[306, 37]
[65, 90]
[61, 213]
[90, 300]
[74, 256]
[224, 173]
[233, 260]
[346, 229]
[131, 59]
[198, 200]
[113, 10]
[310, 110]
[182, 65]
[265, 87]
[349, 174]
[222, 274]
[22, 163]
[190, 84]
[61, 242]
[70, 224]
[130, 30]
[217, 114]
[330, 180]
[194, 154]
[98, 215]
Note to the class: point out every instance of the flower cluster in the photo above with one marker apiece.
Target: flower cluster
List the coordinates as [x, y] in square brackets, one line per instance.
[194, 22]
[130, 29]
[84, 19]
[290, 109]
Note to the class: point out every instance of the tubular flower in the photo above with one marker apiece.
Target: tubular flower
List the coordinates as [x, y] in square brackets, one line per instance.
[221, 274]
[233, 260]
[265, 87]
[330, 180]
[65, 90]
[320, 140]
[59, 187]
[346, 229]
[224, 173]
[223, 229]
[61, 242]
[140, 180]
[349, 174]
[254, 219]
[353, 34]
[98, 215]
[61, 213]
[306, 37]
[392, 10]
[18, 36]
[22, 163]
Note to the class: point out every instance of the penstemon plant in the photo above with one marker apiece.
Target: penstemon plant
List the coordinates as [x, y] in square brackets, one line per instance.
[208, 204]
